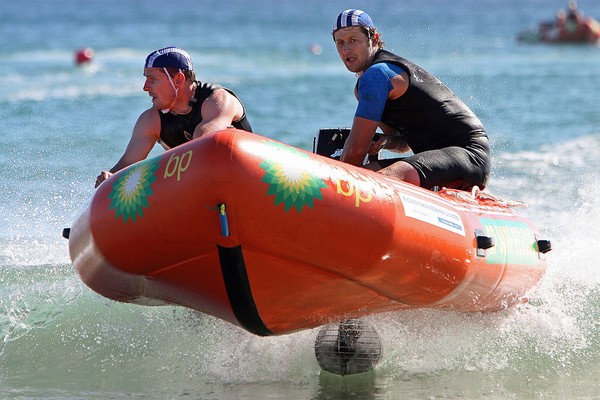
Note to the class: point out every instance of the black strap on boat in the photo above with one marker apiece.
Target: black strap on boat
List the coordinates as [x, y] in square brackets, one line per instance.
[238, 290]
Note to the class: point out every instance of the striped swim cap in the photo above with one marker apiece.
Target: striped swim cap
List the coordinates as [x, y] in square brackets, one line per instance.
[353, 18]
[169, 57]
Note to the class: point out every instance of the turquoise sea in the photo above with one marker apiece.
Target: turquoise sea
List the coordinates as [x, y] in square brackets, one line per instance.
[61, 124]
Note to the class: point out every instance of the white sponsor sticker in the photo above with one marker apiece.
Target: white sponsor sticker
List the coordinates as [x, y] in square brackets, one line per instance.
[432, 214]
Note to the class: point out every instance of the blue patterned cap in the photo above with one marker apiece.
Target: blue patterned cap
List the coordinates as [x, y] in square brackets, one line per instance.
[169, 57]
[353, 18]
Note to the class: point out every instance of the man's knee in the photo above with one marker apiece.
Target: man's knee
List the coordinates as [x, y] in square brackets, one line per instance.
[403, 171]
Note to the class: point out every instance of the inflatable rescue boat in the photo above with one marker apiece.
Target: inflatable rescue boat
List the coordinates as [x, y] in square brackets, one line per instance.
[585, 32]
[276, 239]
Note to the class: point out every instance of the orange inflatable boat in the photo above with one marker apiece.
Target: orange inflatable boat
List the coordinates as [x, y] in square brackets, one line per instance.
[276, 239]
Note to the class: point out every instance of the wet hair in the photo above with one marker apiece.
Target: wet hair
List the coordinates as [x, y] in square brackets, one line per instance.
[372, 33]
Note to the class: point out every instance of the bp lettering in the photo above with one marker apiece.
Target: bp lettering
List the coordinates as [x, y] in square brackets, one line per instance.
[178, 165]
[348, 189]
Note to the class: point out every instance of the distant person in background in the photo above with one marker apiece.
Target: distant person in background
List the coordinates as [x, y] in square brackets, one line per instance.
[574, 17]
[561, 19]
[574, 26]
[413, 109]
[182, 108]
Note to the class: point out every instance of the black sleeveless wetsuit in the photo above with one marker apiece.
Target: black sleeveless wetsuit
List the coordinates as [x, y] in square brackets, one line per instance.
[176, 129]
[449, 142]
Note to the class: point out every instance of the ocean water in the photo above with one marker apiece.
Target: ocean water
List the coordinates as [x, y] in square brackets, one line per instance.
[62, 124]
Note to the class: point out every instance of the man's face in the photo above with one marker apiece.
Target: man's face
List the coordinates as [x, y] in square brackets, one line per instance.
[159, 88]
[354, 47]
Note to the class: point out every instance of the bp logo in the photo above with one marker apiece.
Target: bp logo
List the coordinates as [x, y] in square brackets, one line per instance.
[289, 178]
[131, 191]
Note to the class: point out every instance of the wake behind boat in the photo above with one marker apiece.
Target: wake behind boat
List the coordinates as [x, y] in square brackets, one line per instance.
[276, 239]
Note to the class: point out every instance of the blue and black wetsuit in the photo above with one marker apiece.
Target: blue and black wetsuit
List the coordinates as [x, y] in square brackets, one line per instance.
[176, 129]
[449, 142]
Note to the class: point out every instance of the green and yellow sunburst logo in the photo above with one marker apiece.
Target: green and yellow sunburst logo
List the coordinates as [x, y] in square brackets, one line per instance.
[290, 180]
[131, 191]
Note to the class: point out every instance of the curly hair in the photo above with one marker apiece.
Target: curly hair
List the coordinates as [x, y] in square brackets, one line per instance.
[372, 34]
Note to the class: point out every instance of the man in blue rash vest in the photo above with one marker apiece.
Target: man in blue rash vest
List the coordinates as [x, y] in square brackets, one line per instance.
[414, 110]
[182, 108]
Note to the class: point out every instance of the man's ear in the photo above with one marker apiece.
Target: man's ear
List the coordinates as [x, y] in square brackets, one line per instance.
[179, 79]
[375, 39]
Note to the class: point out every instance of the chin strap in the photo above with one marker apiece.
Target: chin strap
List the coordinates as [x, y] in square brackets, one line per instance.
[166, 110]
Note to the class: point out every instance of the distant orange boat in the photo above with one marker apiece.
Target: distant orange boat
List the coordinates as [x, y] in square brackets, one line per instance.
[585, 32]
[276, 239]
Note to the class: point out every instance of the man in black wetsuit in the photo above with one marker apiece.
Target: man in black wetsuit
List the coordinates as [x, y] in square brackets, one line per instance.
[182, 108]
[413, 109]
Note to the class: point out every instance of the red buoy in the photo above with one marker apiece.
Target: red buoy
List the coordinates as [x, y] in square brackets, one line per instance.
[83, 56]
